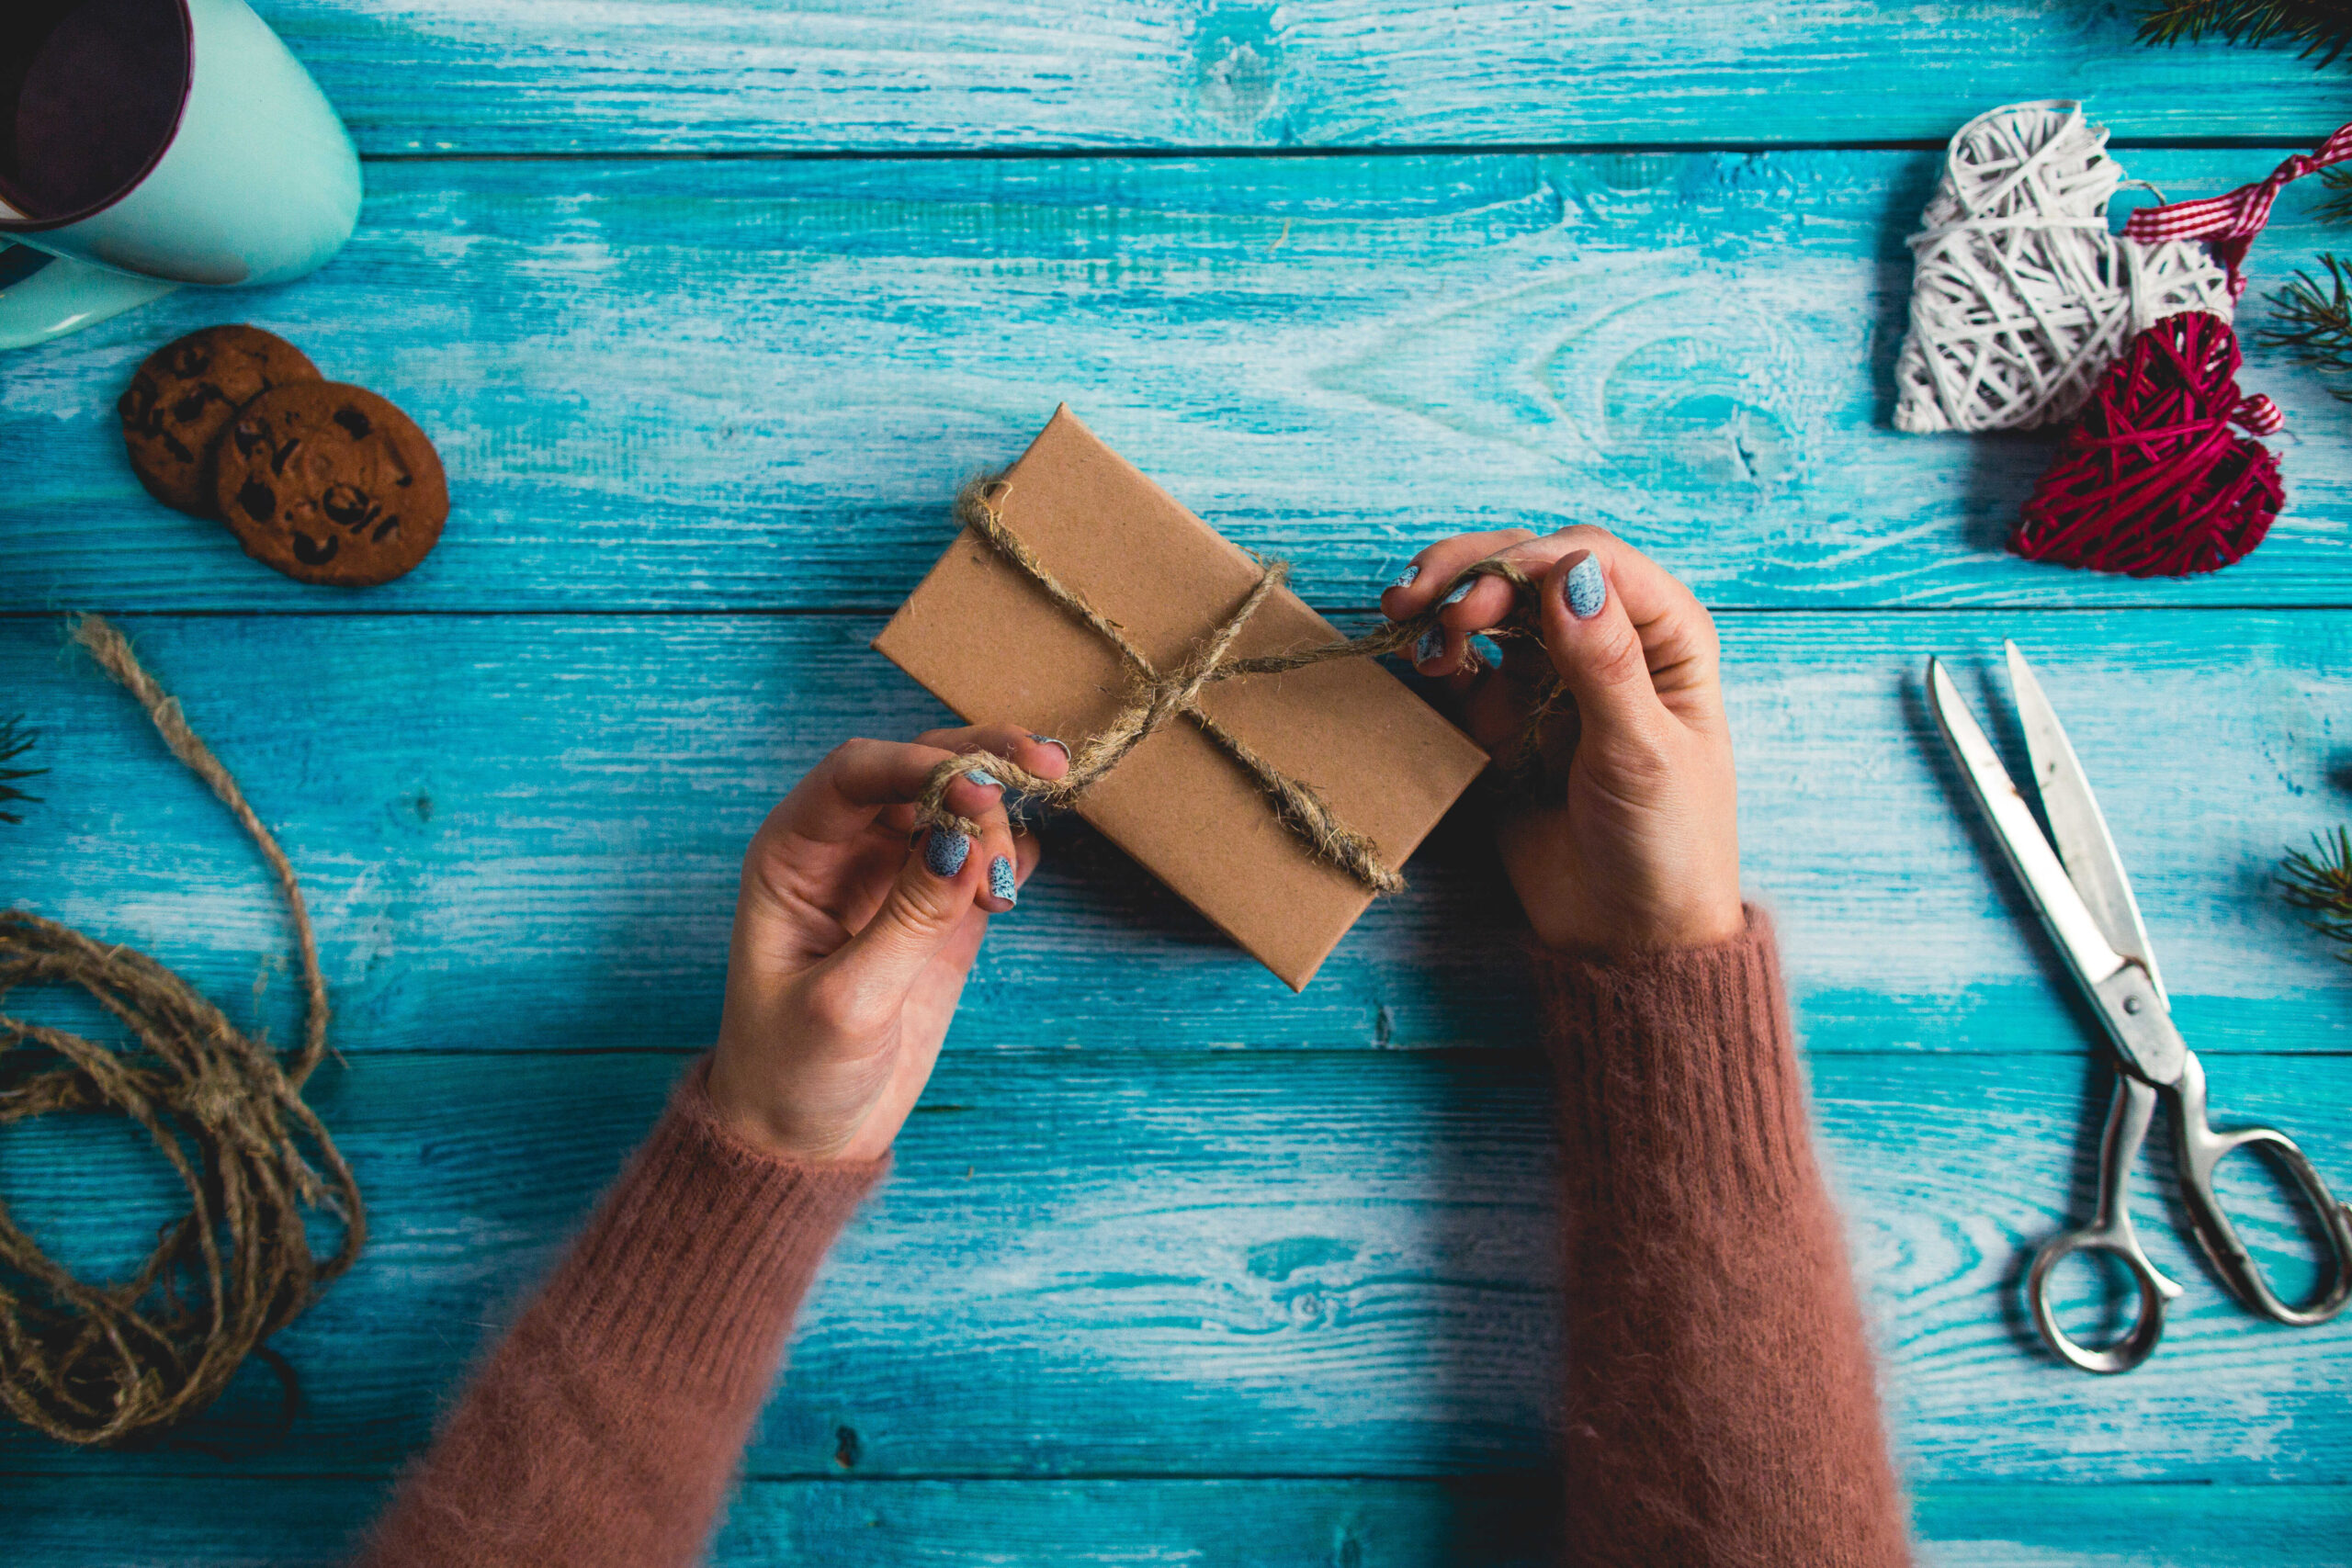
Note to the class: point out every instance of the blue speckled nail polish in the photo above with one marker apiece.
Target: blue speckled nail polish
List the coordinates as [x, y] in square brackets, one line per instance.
[1488, 650]
[1461, 592]
[1406, 578]
[1049, 740]
[1587, 591]
[983, 778]
[1001, 882]
[1432, 643]
[945, 851]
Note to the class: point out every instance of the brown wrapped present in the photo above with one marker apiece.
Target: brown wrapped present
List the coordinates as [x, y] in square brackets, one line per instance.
[994, 645]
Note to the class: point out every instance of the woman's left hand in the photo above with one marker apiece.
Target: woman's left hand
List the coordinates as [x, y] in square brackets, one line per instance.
[852, 945]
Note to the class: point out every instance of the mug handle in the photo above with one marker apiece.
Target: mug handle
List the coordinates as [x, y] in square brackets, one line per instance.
[42, 298]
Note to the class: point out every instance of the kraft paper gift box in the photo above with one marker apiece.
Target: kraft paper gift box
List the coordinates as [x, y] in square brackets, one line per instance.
[989, 643]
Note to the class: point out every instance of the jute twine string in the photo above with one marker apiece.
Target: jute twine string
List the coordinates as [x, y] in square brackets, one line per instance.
[1158, 698]
[96, 1363]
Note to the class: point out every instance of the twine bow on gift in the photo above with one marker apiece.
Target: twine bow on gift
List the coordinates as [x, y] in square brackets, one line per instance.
[1158, 697]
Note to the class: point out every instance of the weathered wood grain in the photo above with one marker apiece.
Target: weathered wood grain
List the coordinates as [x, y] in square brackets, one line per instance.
[1318, 1263]
[294, 1522]
[754, 385]
[1147, 1300]
[480, 76]
[523, 832]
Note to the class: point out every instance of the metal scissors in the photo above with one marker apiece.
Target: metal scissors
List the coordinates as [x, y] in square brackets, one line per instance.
[2085, 901]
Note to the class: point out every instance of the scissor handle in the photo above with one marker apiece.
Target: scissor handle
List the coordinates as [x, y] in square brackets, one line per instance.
[2200, 1148]
[2128, 1116]
[2154, 1291]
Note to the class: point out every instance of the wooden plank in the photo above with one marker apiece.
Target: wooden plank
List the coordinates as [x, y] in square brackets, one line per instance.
[523, 832]
[755, 385]
[738, 74]
[287, 1522]
[1166, 1263]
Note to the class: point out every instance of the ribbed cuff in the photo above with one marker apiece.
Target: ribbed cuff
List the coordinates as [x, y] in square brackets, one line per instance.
[1676, 1068]
[697, 1259]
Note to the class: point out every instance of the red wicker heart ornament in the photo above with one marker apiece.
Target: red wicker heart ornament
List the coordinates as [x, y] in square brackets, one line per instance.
[2151, 481]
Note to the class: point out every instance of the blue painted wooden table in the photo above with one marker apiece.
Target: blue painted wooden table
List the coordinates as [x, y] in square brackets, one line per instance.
[710, 305]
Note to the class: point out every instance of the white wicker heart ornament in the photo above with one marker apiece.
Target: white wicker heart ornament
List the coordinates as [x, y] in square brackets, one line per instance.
[2022, 295]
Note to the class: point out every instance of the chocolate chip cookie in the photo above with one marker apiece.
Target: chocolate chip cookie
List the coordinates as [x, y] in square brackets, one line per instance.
[332, 484]
[184, 396]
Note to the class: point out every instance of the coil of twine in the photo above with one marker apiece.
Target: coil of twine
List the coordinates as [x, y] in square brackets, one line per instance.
[1158, 697]
[97, 1363]
[2021, 296]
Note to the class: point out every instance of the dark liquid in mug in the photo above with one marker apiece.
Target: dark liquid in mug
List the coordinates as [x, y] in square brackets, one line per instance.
[90, 94]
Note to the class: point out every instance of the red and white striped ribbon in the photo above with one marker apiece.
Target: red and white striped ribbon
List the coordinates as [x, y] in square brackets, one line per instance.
[2260, 415]
[2229, 223]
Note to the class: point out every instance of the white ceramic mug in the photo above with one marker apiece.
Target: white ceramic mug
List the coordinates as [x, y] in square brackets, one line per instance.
[226, 166]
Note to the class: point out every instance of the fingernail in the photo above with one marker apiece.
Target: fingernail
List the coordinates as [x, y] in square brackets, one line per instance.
[945, 851]
[1432, 643]
[983, 778]
[1001, 882]
[1460, 590]
[1406, 578]
[1586, 589]
[1049, 740]
[1488, 650]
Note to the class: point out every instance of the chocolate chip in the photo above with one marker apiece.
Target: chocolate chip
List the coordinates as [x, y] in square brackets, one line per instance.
[310, 552]
[352, 420]
[345, 504]
[257, 501]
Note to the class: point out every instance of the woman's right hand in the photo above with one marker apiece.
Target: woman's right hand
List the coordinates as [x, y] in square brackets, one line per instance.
[1640, 854]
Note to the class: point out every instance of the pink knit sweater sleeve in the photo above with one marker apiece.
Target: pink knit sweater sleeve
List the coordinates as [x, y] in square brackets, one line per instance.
[605, 1428]
[1721, 1407]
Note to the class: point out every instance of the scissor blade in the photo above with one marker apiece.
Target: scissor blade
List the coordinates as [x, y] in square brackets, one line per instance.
[2087, 951]
[2084, 845]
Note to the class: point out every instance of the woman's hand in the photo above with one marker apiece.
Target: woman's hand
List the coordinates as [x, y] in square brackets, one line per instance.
[1642, 852]
[851, 946]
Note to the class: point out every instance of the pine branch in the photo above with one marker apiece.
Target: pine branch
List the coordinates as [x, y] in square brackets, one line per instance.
[14, 741]
[2319, 883]
[2313, 321]
[2336, 206]
[2323, 27]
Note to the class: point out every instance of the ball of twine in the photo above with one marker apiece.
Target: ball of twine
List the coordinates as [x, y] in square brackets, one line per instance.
[2021, 296]
[95, 1363]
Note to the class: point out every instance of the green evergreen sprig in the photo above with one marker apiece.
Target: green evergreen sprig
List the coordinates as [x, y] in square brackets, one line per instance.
[14, 741]
[2312, 319]
[2318, 883]
[2323, 27]
[2336, 207]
